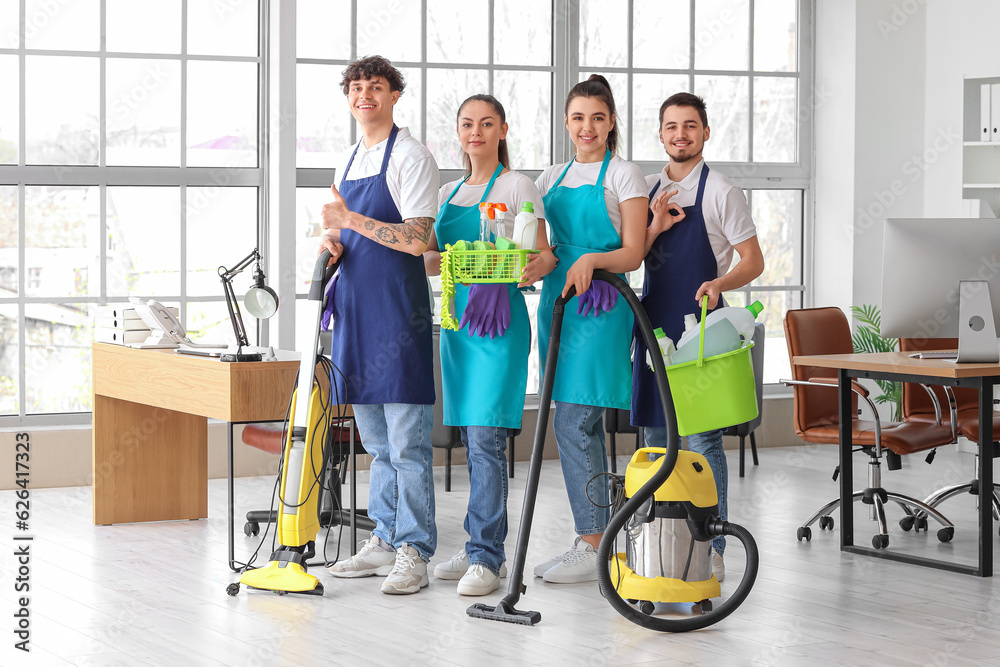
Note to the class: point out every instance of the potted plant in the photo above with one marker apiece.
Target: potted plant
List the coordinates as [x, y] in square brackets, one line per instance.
[867, 338]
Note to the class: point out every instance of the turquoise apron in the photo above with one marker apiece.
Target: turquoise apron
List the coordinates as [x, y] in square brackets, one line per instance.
[595, 365]
[482, 379]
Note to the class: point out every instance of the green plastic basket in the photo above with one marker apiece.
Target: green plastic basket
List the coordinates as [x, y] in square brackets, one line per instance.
[477, 266]
[712, 393]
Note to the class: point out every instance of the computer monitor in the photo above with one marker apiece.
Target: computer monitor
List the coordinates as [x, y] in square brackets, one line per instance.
[927, 264]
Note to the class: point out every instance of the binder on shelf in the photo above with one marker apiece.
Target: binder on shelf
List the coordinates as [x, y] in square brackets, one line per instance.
[995, 112]
[119, 336]
[985, 118]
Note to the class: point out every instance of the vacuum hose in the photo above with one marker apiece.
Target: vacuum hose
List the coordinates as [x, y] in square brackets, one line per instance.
[716, 527]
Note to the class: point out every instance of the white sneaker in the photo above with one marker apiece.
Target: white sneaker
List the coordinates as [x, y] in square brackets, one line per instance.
[718, 566]
[372, 560]
[540, 570]
[478, 581]
[457, 567]
[409, 573]
[579, 566]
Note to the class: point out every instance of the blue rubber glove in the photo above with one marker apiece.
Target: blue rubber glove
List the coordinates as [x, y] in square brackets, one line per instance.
[487, 310]
[324, 323]
[599, 296]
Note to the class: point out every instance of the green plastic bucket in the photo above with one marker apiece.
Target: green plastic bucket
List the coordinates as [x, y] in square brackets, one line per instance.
[712, 393]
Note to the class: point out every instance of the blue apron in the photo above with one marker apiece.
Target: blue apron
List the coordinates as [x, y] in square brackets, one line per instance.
[381, 308]
[679, 261]
[483, 379]
[594, 364]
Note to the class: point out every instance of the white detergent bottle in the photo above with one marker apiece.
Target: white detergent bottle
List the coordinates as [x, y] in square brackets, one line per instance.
[720, 337]
[667, 348]
[742, 319]
[526, 227]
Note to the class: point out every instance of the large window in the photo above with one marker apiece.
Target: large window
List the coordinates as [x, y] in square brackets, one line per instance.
[133, 159]
[129, 166]
[748, 58]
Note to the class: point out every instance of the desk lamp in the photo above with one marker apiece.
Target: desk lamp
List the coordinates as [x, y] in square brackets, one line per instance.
[261, 301]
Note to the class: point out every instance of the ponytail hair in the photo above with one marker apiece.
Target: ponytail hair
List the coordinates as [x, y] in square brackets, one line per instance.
[597, 86]
[502, 154]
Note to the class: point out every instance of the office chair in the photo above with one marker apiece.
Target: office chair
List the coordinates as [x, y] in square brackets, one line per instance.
[618, 421]
[267, 437]
[815, 331]
[747, 428]
[964, 410]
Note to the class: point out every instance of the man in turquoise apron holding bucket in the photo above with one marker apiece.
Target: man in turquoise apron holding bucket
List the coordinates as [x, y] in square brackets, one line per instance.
[697, 218]
[381, 218]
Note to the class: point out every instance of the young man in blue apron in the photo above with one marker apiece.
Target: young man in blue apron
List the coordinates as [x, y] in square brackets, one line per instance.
[381, 217]
[697, 218]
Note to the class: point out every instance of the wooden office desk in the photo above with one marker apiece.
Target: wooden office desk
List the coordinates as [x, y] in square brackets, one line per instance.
[900, 367]
[150, 433]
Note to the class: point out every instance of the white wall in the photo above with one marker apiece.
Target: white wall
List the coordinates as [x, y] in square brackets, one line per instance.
[833, 99]
[962, 43]
[888, 140]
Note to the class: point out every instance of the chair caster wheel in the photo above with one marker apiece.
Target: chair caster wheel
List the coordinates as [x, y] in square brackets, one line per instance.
[251, 529]
[826, 522]
[804, 533]
[706, 606]
[232, 590]
[906, 523]
[920, 524]
[945, 534]
[880, 541]
[647, 607]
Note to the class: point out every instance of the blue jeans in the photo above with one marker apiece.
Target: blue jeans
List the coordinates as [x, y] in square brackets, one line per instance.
[709, 445]
[486, 518]
[580, 435]
[401, 491]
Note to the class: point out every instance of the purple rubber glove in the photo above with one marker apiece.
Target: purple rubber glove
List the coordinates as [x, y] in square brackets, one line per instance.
[599, 296]
[324, 323]
[487, 310]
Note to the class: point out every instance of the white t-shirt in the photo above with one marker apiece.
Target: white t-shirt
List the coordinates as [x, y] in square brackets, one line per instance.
[412, 174]
[511, 188]
[724, 206]
[622, 181]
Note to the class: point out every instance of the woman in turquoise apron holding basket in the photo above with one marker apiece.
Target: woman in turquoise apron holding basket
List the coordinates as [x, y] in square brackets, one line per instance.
[484, 364]
[596, 207]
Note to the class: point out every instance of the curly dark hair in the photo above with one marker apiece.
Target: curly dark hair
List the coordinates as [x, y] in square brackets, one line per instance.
[371, 66]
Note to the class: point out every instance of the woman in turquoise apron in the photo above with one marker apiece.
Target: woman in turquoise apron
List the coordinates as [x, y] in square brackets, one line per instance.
[594, 369]
[484, 376]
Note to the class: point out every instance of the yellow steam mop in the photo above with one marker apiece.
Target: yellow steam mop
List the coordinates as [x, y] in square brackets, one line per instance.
[301, 471]
[670, 516]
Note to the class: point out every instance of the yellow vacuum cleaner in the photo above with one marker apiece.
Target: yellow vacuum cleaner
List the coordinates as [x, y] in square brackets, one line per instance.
[662, 561]
[301, 471]
[670, 516]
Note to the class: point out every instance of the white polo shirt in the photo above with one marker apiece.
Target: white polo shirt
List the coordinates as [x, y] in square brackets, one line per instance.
[412, 174]
[724, 206]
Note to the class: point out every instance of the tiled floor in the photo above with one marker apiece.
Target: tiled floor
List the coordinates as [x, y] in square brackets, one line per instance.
[155, 594]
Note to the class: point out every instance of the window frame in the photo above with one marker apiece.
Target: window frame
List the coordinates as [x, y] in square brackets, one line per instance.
[102, 176]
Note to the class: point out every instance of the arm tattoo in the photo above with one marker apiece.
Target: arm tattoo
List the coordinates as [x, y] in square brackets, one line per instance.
[369, 224]
[417, 229]
[387, 236]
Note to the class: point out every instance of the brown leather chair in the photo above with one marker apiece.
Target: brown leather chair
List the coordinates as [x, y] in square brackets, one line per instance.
[963, 405]
[815, 331]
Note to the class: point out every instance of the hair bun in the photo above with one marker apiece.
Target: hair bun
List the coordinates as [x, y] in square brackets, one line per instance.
[599, 79]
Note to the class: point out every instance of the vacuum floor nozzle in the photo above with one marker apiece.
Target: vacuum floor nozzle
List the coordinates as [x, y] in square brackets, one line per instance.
[504, 613]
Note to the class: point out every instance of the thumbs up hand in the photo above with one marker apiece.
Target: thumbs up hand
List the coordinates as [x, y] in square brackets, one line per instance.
[336, 214]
